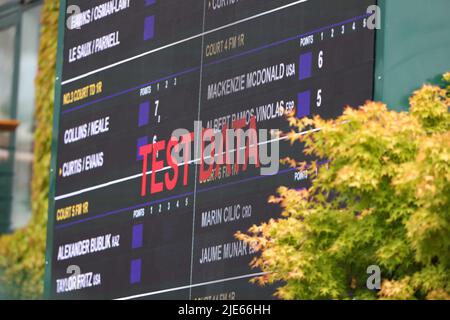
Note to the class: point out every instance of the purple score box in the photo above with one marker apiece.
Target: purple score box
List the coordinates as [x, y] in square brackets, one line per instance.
[305, 66]
[144, 114]
[141, 142]
[149, 2]
[138, 234]
[135, 271]
[149, 28]
[304, 104]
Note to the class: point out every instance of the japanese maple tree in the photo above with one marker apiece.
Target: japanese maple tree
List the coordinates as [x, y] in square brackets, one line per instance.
[383, 199]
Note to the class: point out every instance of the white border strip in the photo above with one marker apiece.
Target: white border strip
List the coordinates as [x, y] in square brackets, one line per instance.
[181, 41]
[192, 286]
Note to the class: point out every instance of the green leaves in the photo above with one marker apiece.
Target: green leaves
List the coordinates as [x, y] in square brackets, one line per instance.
[389, 174]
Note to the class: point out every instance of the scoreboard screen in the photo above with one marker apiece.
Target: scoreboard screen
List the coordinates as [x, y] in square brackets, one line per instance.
[129, 222]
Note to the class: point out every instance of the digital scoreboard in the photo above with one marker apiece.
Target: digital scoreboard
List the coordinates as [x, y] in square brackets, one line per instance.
[126, 222]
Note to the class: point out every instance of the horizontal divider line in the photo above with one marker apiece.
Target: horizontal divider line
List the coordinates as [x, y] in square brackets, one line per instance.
[139, 175]
[69, 224]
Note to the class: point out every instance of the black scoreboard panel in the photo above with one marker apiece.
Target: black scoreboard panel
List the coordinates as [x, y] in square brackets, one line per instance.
[136, 70]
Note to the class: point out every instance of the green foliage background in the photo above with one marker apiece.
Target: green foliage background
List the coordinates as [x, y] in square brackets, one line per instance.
[382, 199]
[22, 254]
